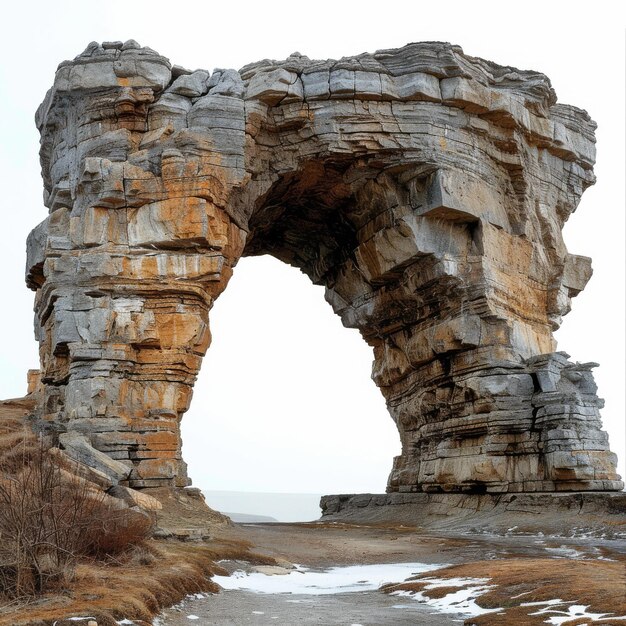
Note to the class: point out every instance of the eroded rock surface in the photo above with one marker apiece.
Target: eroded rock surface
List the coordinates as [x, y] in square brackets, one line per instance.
[583, 514]
[425, 189]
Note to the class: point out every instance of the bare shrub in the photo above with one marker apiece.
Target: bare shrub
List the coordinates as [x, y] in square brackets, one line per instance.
[49, 519]
[142, 555]
[116, 530]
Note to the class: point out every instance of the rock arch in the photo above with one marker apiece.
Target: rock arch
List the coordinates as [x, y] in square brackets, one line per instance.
[425, 189]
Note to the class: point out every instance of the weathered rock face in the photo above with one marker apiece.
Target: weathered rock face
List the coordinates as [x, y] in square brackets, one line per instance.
[425, 189]
[564, 514]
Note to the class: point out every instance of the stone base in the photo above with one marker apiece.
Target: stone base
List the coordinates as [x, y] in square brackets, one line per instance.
[597, 514]
[185, 515]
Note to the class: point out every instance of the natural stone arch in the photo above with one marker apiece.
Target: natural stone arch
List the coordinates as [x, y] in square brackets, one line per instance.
[425, 189]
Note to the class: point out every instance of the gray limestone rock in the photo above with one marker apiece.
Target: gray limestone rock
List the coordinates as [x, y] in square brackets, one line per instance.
[132, 497]
[78, 448]
[190, 85]
[226, 83]
[425, 189]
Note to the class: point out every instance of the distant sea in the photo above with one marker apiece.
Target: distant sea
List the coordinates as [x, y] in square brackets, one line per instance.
[246, 506]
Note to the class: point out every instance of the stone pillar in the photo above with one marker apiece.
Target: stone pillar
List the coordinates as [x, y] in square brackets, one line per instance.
[457, 306]
[136, 248]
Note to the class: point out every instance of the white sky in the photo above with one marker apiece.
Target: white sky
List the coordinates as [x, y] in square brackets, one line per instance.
[284, 401]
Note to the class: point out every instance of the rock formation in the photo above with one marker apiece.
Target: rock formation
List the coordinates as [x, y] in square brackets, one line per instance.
[425, 189]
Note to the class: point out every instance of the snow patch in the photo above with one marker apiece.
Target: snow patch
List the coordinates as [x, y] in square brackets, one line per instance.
[461, 602]
[544, 602]
[434, 583]
[569, 613]
[304, 581]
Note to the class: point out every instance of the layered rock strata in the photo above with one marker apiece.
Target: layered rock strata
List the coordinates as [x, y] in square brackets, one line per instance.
[425, 189]
[583, 514]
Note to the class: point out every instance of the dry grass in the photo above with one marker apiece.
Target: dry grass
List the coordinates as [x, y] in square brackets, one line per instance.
[136, 585]
[17, 440]
[50, 519]
[133, 583]
[598, 584]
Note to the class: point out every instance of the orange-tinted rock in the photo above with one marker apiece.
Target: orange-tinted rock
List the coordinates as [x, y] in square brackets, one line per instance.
[425, 189]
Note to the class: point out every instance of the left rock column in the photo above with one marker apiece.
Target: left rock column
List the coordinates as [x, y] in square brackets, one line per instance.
[136, 247]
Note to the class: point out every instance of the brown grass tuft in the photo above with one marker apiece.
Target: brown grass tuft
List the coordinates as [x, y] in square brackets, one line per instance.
[132, 588]
[601, 585]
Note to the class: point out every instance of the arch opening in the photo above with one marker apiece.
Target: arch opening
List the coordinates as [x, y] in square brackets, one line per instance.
[284, 401]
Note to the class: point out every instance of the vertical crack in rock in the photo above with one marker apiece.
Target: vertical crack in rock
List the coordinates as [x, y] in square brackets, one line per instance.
[425, 189]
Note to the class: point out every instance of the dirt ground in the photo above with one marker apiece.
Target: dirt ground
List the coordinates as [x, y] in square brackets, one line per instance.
[577, 567]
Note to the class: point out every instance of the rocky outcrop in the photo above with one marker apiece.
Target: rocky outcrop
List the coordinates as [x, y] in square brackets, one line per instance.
[583, 514]
[425, 189]
[77, 466]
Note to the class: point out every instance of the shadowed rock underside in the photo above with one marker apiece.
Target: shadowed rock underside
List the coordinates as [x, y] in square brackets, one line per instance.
[425, 189]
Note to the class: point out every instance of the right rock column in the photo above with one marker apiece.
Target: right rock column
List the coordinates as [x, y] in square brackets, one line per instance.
[460, 311]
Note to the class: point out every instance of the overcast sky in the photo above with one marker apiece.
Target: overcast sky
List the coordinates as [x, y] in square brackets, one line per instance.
[284, 401]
